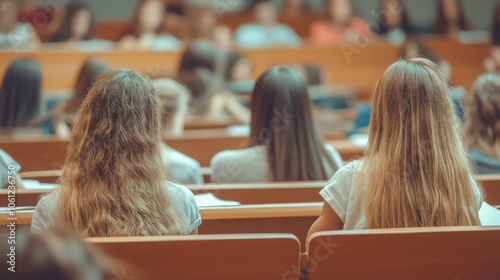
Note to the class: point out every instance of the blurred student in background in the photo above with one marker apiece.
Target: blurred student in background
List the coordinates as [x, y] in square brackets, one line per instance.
[204, 26]
[13, 33]
[20, 108]
[145, 27]
[75, 30]
[340, 26]
[64, 114]
[266, 31]
[201, 70]
[394, 25]
[482, 123]
[450, 18]
[41, 17]
[175, 21]
[285, 144]
[174, 99]
[295, 8]
[115, 151]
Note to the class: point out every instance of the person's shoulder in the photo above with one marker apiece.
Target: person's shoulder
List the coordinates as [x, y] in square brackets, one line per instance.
[180, 195]
[236, 155]
[347, 171]
[183, 160]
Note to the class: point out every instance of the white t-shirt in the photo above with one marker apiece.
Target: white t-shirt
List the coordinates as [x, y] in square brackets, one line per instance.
[5, 161]
[47, 213]
[340, 194]
[251, 165]
[181, 168]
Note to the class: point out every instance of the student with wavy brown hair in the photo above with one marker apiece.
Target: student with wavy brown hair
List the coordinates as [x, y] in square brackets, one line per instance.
[482, 123]
[416, 171]
[285, 144]
[113, 181]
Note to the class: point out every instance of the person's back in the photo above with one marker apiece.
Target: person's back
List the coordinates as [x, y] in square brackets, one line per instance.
[416, 171]
[113, 182]
[285, 144]
[482, 123]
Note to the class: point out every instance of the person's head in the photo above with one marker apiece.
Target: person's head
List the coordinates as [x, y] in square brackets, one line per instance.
[174, 21]
[295, 5]
[20, 93]
[416, 169]
[90, 71]
[450, 13]
[174, 100]
[59, 254]
[414, 49]
[238, 67]
[495, 36]
[148, 18]
[282, 121]
[265, 13]
[202, 22]
[8, 15]
[114, 151]
[482, 124]
[77, 23]
[200, 54]
[394, 15]
[340, 12]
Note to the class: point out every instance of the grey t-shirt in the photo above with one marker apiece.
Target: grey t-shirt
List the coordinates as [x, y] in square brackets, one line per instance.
[251, 165]
[180, 167]
[5, 161]
[47, 213]
[340, 194]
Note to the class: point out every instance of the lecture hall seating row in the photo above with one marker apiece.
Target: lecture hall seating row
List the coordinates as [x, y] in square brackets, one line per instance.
[362, 67]
[418, 253]
[40, 154]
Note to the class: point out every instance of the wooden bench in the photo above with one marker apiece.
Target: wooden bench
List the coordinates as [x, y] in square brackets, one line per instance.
[260, 256]
[423, 253]
[49, 154]
[363, 67]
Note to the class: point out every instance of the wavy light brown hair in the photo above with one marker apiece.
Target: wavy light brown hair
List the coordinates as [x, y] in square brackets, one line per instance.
[482, 124]
[113, 182]
[416, 170]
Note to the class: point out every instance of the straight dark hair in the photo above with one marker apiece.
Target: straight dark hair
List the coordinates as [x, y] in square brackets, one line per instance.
[441, 26]
[64, 33]
[90, 71]
[406, 25]
[134, 26]
[282, 121]
[495, 32]
[20, 93]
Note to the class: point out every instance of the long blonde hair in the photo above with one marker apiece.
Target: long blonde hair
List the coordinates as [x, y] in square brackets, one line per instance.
[482, 125]
[113, 182]
[416, 170]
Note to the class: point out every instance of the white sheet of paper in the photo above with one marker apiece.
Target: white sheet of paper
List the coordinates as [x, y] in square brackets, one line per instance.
[210, 200]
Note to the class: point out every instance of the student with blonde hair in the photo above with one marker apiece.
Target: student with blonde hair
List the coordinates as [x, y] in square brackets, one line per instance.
[482, 123]
[113, 181]
[174, 99]
[416, 171]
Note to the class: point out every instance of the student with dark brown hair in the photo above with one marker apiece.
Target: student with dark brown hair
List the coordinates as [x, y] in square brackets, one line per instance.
[450, 18]
[144, 30]
[285, 144]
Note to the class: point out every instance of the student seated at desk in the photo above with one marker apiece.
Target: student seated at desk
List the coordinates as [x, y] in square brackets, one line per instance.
[113, 181]
[200, 70]
[76, 28]
[482, 123]
[340, 26]
[203, 25]
[450, 18]
[285, 144]
[20, 109]
[416, 171]
[64, 114]
[13, 34]
[266, 31]
[174, 99]
[144, 30]
[395, 24]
